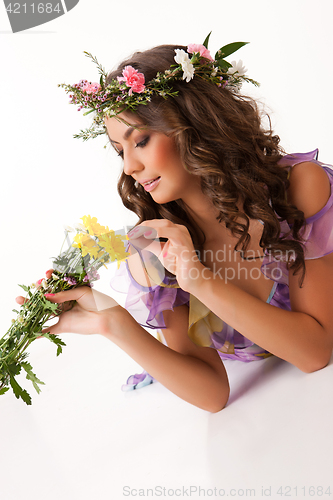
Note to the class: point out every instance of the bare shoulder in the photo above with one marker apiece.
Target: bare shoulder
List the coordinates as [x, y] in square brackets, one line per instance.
[309, 188]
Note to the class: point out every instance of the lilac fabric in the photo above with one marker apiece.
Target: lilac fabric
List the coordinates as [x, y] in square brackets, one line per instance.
[137, 381]
[147, 304]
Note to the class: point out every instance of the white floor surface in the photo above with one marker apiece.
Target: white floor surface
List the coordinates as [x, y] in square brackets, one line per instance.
[85, 439]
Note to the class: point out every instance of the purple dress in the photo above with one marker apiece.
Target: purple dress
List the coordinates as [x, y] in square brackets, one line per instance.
[205, 328]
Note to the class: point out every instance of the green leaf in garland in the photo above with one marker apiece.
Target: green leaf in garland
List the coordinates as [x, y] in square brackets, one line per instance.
[224, 65]
[229, 49]
[3, 390]
[25, 288]
[205, 44]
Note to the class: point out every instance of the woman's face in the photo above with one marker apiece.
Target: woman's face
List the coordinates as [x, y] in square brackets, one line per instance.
[152, 159]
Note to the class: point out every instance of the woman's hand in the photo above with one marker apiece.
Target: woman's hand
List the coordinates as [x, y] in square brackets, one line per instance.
[177, 255]
[90, 314]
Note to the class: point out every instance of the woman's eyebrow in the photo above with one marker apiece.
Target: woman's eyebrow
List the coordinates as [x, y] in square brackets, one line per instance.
[126, 135]
[128, 132]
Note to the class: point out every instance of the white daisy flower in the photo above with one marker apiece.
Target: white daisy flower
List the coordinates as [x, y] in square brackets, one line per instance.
[188, 70]
[45, 285]
[237, 67]
[182, 58]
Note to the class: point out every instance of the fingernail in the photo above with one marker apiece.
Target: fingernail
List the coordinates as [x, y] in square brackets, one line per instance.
[165, 254]
[40, 281]
[137, 232]
[49, 294]
[133, 231]
[147, 233]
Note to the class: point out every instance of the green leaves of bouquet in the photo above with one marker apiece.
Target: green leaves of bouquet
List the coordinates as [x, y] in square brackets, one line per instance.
[93, 246]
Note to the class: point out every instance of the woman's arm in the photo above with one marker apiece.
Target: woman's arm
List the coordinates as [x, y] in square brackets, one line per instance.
[195, 374]
[303, 336]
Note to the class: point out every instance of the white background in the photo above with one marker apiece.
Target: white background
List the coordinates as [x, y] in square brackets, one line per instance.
[83, 438]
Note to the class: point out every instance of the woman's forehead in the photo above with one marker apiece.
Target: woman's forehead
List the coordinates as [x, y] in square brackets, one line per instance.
[122, 126]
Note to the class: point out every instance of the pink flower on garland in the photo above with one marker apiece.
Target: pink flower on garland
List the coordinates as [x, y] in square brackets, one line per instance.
[133, 79]
[91, 88]
[197, 47]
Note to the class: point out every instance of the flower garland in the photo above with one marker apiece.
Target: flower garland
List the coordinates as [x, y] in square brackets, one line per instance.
[129, 90]
[93, 246]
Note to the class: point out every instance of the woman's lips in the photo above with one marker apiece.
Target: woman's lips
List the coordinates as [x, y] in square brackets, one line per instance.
[152, 185]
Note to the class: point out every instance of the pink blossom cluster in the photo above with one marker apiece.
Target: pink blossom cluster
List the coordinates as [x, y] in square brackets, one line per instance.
[91, 88]
[70, 280]
[201, 49]
[88, 87]
[133, 79]
[91, 275]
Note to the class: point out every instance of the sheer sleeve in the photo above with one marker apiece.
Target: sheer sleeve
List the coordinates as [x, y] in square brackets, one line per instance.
[146, 304]
[205, 329]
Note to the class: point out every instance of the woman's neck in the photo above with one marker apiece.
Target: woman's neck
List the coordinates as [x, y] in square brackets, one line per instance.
[203, 213]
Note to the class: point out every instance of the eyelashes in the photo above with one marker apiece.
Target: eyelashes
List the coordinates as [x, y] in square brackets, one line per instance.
[140, 144]
[143, 143]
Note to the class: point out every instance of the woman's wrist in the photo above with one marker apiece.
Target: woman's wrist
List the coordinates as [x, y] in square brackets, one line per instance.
[113, 321]
[198, 278]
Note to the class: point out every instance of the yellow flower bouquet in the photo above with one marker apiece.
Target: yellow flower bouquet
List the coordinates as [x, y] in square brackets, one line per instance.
[93, 246]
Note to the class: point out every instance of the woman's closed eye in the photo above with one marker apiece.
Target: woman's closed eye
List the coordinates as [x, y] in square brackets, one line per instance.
[143, 143]
[118, 151]
[140, 144]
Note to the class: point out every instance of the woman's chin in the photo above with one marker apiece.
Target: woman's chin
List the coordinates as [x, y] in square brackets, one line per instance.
[161, 199]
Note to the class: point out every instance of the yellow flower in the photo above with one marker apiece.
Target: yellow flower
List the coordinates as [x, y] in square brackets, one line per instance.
[92, 225]
[114, 246]
[86, 244]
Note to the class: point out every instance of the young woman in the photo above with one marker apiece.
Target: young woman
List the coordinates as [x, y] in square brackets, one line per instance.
[232, 255]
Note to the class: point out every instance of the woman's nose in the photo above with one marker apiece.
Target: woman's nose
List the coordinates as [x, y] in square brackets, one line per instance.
[131, 165]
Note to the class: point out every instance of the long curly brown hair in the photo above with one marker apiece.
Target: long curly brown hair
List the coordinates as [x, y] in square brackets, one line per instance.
[220, 138]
